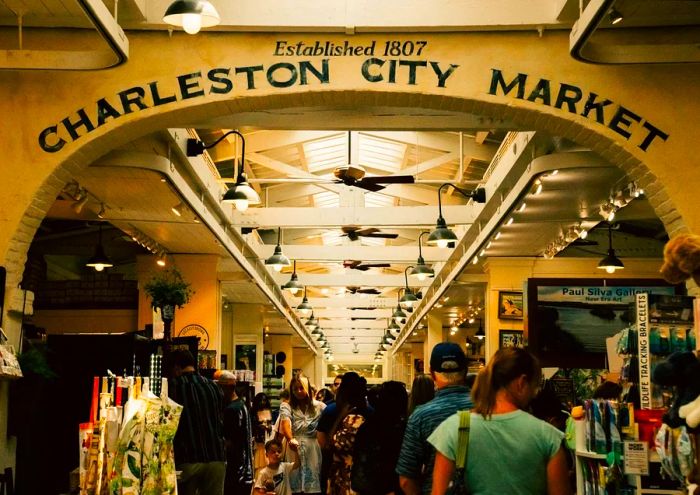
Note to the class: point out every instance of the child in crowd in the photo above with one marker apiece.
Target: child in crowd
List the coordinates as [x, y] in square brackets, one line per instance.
[274, 479]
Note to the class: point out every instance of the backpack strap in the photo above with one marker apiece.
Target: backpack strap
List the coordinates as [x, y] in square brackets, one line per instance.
[463, 439]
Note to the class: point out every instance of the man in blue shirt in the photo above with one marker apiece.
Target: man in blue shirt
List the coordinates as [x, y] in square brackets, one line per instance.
[448, 367]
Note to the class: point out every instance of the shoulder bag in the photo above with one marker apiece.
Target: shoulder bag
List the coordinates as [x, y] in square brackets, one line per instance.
[459, 486]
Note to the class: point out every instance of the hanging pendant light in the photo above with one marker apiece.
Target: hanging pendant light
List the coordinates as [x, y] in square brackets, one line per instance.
[442, 236]
[241, 194]
[99, 261]
[408, 299]
[394, 327]
[278, 260]
[421, 271]
[610, 263]
[312, 322]
[192, 15]
[480, 334]
[293, 286]
[398, 314]
[304, 308]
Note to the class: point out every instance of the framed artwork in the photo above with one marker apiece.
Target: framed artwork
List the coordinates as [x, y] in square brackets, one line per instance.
[510, 338]
[510, 305]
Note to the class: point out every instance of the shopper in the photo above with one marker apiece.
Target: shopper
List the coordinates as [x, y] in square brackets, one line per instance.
[682, 259]
[274, 478]
[261, 419]
[422, 391]
[378, 443]
[199, 441]
[448, 366]
[510, 451]
[298, 421]
[325, 395]
[238, 436]
[351, 402]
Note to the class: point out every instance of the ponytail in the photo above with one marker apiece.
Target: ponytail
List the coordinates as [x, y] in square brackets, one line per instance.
[504, 367]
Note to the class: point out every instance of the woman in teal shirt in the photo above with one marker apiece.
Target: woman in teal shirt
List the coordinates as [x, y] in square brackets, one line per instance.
[510, 451]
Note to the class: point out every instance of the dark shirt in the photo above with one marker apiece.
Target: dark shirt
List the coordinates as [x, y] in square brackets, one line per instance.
[199, 436]
[239, 443]
[376, 451]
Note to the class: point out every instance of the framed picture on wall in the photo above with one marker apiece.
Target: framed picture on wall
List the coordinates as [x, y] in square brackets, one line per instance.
[510, 305]
[510, 338]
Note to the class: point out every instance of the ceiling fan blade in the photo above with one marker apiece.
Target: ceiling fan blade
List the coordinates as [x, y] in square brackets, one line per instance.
[367, 231]
[369, 186]
[368, 291]
[351, 263]
[388, 179]
[349, 228]
[380, 235]
[362, 268]
[374, 265]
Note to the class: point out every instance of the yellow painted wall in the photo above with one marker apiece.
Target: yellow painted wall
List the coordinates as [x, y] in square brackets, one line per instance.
[86, 321]
[510, 274]
[203, 309]
[277, 343]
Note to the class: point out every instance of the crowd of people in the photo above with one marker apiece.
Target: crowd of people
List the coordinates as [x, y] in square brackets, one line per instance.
[354, 439]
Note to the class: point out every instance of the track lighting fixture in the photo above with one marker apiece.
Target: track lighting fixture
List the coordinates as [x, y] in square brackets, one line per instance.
[610, 263]
[102, 212]
[442, 235]
[615, 16]
[179, 209]
[161, 259]
[81, 201]
[304, 308]
[278, 260]
[293, 285]
[99, 261]
[421, 271]
[607, 211]
[192, 15]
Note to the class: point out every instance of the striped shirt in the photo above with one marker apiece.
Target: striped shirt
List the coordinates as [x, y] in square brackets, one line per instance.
[200, 435]
[417, 455]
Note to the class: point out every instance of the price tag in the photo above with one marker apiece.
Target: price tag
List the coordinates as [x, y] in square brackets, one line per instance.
[636, 458]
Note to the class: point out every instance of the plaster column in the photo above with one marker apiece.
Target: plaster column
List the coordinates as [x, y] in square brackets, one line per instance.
[433, 336]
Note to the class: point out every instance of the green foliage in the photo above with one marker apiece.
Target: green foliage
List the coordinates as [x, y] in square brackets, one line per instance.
[34, 361]
[585, 381]
[168, 287]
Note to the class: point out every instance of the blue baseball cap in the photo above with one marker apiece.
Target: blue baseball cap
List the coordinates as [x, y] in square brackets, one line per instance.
[447, 357]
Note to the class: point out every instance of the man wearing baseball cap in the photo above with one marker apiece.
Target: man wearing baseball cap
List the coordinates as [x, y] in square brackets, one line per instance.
[448, 367]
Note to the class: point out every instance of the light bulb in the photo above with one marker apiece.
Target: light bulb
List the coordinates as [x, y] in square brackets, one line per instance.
[583, 234]
[442, 243]
[240, 204]
[160, 262]
[421, 276]
[191, 23]
[295, 291]
[610, 269]
[611, 216]
[99, 267]
[277, 268]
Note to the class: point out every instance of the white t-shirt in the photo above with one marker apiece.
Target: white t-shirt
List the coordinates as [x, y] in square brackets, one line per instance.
[280, 478]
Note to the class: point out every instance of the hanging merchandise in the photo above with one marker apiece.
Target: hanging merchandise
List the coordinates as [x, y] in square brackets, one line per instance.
[128, 450]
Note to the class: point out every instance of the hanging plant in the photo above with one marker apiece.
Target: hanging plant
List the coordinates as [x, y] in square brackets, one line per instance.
[168, 288]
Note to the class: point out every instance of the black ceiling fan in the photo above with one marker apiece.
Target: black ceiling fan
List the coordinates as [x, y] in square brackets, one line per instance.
[353, 174]
[359, 265]
[353, 232]
[360, 290]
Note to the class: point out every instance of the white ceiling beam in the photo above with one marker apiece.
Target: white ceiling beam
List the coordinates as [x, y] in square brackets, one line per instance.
[401, 216]
[368, 254]
[359, 325]
[288, 192]
[418, 193]
[361, 337]
[349, 301]
[349, 313]
[288, 170]
[422, 167]
[256, 142]
[441, 141]
[358, 279]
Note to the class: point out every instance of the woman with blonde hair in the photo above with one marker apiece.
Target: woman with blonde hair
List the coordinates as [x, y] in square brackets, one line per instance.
[509, 450]
[298, 422]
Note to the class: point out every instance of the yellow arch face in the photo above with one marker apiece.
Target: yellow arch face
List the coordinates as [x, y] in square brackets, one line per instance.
[640, 118]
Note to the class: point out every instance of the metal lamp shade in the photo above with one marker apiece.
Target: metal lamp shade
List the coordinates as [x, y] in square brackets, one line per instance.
[192, 15]
[278, 260]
